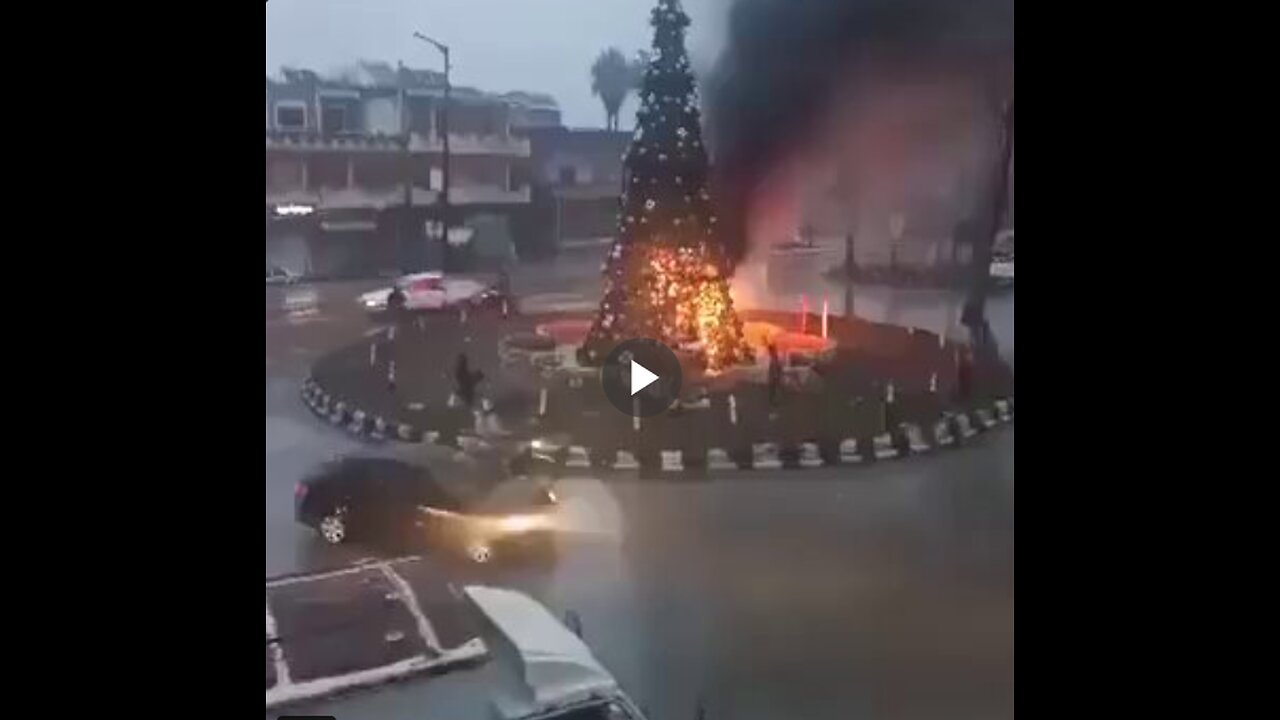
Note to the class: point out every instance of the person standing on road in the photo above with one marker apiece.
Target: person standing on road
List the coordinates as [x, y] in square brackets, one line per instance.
[466, 380]
[504, 291]
[395, 304]
[775, 374]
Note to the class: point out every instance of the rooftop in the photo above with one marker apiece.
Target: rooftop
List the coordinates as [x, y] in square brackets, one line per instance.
[374, 74]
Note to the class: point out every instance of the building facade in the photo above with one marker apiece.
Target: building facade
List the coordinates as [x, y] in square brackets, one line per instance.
[577, 180]
[355, 166]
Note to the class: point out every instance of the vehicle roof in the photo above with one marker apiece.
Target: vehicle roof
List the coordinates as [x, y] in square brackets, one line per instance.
[551, 667]
[428, 275]
[460, 489]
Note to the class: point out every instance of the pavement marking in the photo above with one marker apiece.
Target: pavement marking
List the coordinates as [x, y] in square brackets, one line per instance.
[410, 601]
[280, 694]
[286, 690]
[277, 652]
[356, 567]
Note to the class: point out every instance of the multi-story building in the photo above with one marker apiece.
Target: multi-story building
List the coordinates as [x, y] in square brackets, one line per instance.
[355, 168]
[577, 178]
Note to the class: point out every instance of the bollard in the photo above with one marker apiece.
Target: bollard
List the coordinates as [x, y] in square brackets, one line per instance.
[933, 383]
[505, 309]
[391, 375]
[542, 402]
[825, 311]
[635, 414]
[373, 353]
[733, 409]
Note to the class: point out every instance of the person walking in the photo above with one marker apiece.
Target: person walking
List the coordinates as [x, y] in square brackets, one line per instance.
[395, 304]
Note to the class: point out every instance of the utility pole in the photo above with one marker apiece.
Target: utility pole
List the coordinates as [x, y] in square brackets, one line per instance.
[444, 132]
[403, 227]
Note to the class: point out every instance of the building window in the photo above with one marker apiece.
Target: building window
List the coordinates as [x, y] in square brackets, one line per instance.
[568, 175]
[334, 119]
[291, 117]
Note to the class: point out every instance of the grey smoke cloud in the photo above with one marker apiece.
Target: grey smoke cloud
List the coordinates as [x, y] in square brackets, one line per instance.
[789, 64]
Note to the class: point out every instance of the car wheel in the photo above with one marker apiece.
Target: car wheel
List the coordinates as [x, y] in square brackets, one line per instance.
[480, 553]
[333, 527]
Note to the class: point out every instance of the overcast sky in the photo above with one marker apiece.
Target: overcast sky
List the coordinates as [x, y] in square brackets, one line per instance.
[497, 45]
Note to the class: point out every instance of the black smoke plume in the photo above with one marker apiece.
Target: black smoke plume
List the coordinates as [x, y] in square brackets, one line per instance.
[786, 60]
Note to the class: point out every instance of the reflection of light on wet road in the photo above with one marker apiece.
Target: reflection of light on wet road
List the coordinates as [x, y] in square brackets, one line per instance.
[587, 507]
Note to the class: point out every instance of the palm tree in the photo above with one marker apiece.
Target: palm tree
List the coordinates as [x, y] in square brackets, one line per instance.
[612, 77]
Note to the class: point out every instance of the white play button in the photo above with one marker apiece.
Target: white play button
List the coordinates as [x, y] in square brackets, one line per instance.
[641, 364]
[641, 378]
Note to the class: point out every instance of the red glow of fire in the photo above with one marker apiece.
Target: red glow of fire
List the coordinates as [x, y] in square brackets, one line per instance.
[683, 278]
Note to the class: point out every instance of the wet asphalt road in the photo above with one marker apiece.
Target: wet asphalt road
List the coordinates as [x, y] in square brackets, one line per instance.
[876, 592]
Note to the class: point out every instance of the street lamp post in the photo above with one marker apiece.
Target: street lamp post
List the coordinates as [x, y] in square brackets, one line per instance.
[444, 131]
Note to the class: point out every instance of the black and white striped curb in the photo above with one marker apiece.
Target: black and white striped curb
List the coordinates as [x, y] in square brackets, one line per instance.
[953, 429]
[910, 439]
[362, 424]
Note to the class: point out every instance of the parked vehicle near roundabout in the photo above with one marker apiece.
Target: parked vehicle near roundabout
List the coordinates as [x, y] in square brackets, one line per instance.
[430, 291]
[277, 275]
[1002, 259]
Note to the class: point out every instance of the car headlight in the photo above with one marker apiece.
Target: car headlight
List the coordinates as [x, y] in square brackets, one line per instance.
[516, 524]
[371, 303]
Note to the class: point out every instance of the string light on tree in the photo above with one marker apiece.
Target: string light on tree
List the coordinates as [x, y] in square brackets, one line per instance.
[664, 279]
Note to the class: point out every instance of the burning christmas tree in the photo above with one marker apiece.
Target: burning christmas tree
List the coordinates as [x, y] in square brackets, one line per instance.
[665, 277]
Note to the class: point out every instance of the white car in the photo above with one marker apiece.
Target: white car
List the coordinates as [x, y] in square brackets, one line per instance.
[277, 275]
[1002, 269]
[427, 291]
[1002, 259]
[539, 669]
